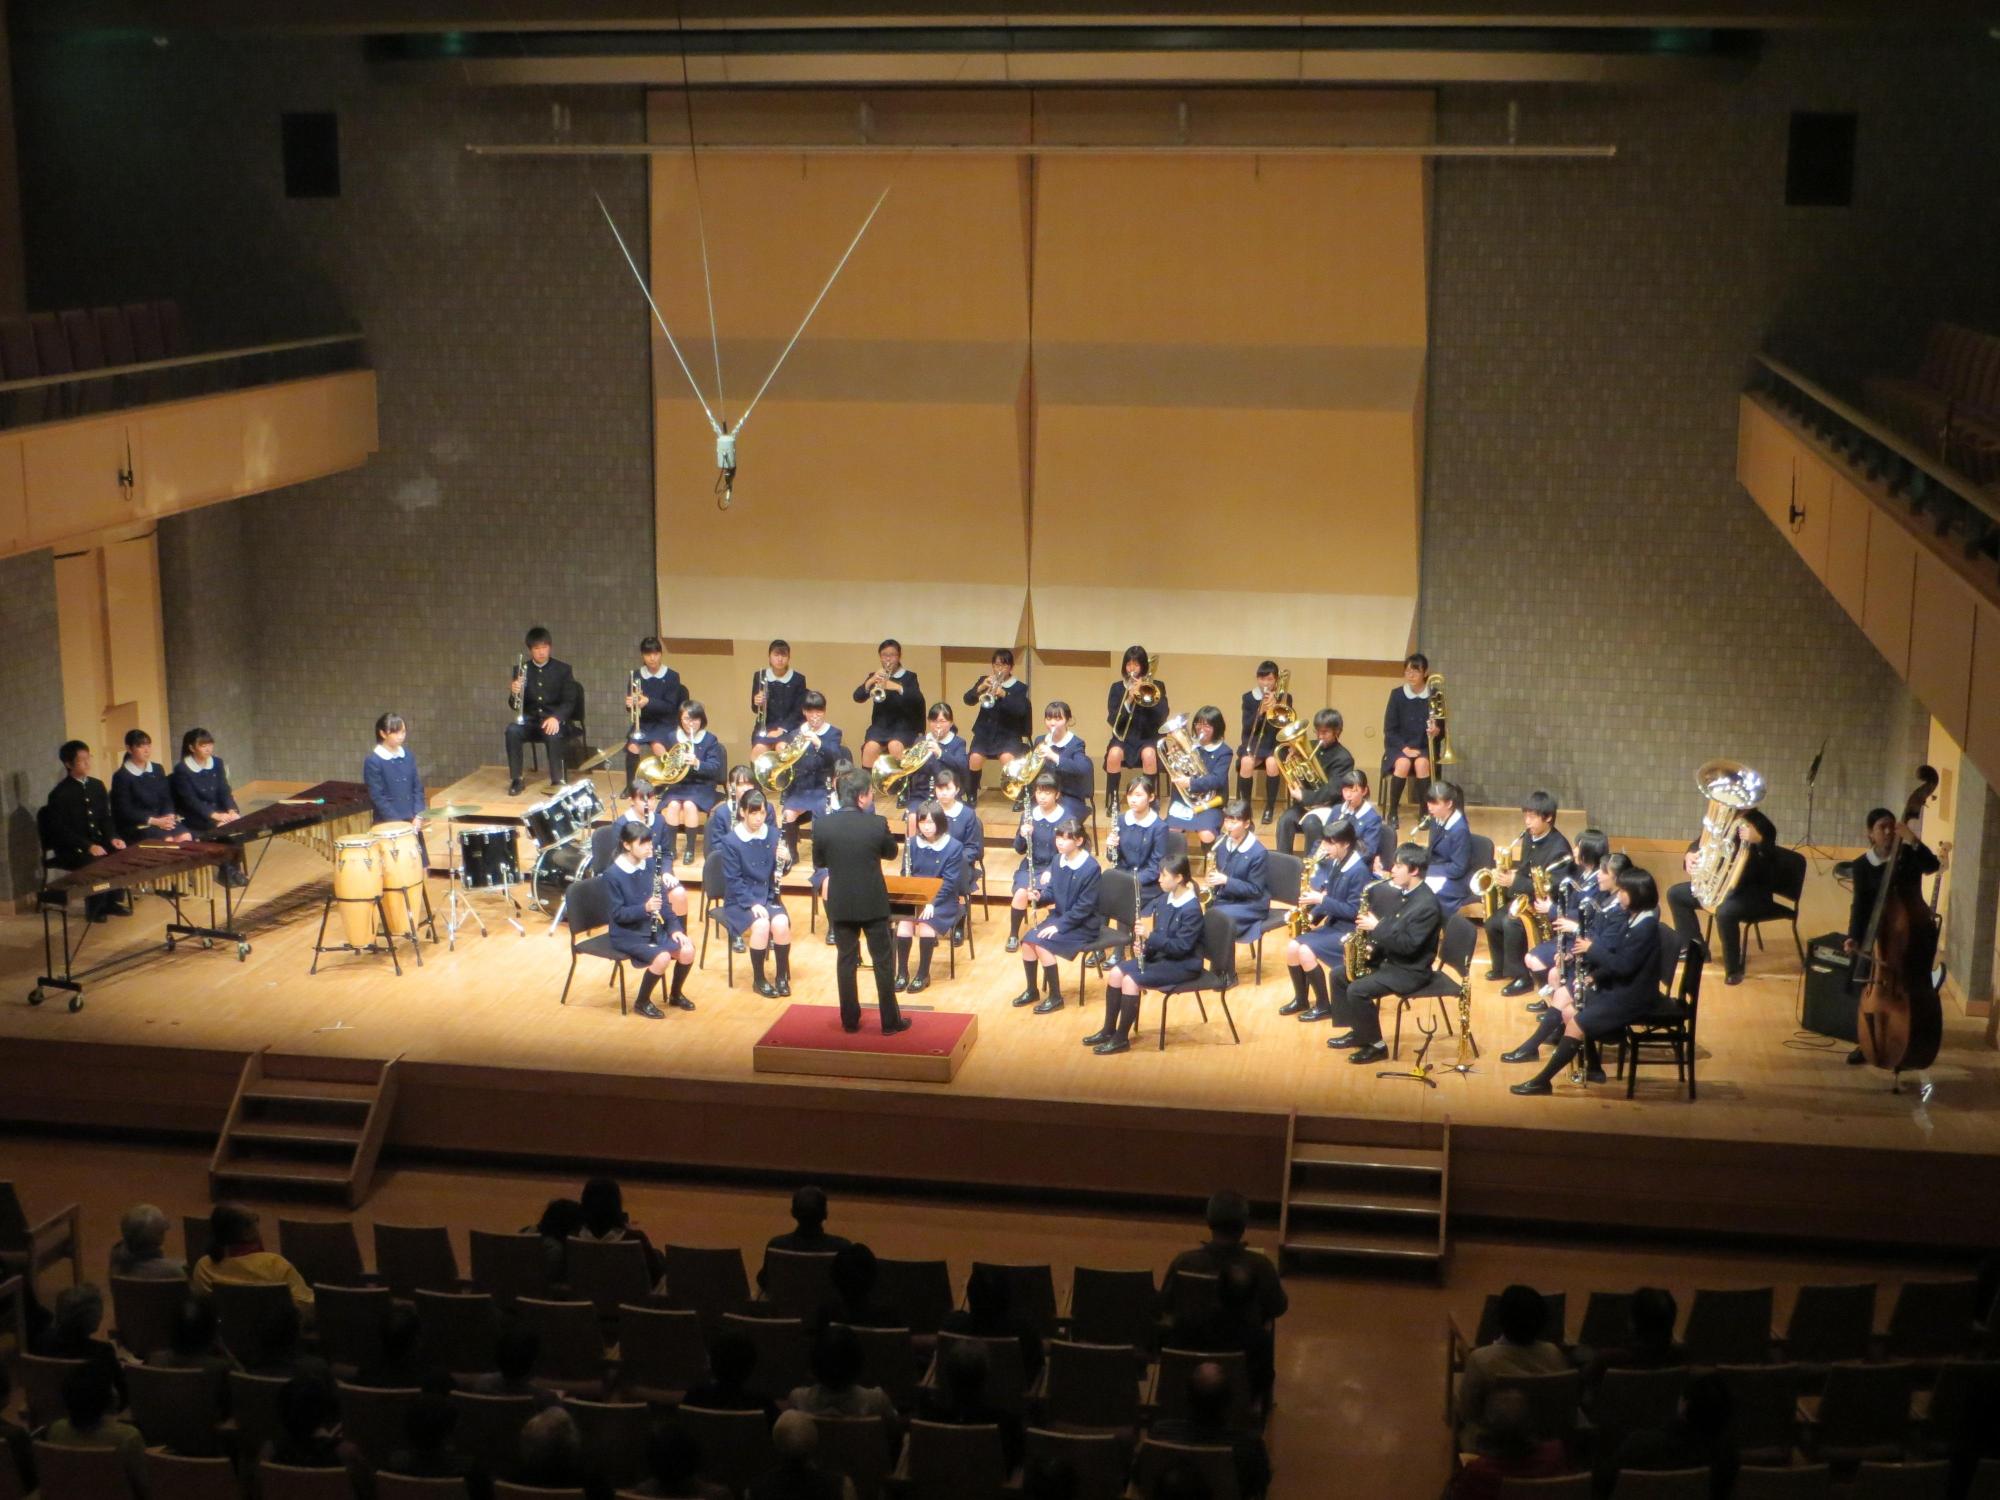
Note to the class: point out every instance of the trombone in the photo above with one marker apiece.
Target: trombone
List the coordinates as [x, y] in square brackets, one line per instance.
[1277, 707]
[1143, 691]
[1438, 740]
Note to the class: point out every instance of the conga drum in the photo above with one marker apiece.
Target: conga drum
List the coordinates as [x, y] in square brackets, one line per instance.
[357, 882]
[402, 861]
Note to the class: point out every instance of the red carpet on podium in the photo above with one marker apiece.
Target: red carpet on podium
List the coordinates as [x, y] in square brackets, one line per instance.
[809, 1039]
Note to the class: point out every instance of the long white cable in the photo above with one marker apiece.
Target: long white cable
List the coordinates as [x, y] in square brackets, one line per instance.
[647, 292]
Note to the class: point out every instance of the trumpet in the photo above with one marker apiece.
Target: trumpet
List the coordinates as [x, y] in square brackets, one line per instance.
[1184, 763]
[1143, 691]
[670, 769]
[989, 691]
[1019, 773]
[1439, 742]
[880, 684]
[633, 697]
[518, 699]
[1297, 764]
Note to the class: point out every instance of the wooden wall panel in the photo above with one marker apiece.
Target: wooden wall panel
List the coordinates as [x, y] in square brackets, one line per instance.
[1847, 547]
[1808, 516]
[1941, 626]
[1885, 608]
[72, 470]
[13, 497]
[136, 637]
[1982, 727]
[1763, 460]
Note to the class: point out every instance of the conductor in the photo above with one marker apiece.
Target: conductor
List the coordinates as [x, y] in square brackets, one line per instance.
[851, 845]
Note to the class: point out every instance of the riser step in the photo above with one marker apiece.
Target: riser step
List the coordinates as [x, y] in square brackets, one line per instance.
[1373, 1158]
[1363, 1208]
[306, 1092]
[1309, 1178]
[297, 1132]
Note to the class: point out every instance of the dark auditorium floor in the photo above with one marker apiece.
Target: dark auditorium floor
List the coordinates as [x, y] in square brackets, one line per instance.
[1360, 1361]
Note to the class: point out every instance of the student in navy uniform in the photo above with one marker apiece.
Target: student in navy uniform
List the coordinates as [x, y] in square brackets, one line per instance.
[1168, 954]
[1258, 749]
[1139, 744]
[81, 827]
[1597, 918]
[751, 908]
[644, 928]
[1069, 889]
[899, 716]
[1002, 731]
[201, 793]
[1573, 898]
[1405, 929]
[1071, 765]
[931, 852]
[142, 800]
[389, 771]
[782, 694]
[1626, 983]
[1137, 842]
[1339, 880]
[1543, 847]
[641, 811]
[1236, 873]
[812, 773]
[687, 803]
[1318, 803]
[550, 699]
[722, 816]
[952, 752]
[658, 700]
[962, 823]
[1750, 901]
[1406, 725]
[1450, 864]
[1355, 807]
[1206, 729]
[1035, 841]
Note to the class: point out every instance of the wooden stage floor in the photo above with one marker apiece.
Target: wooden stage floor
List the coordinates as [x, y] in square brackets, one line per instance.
[492, 1064]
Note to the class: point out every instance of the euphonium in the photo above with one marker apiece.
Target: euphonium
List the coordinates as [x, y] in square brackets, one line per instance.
[1359, 953]
[1490, 886]
[891, 771]
[669, 769]
[1732, 789]
[1184, 763]
[1019, 773]
[1296, 762]
[1440, 745]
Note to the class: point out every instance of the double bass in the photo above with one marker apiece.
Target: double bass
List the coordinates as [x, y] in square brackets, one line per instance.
[1901, 1019]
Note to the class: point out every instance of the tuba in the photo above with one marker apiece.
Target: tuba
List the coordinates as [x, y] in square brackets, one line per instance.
[1440, 743]
[1296, 762]
[1183, 763]
[667, 770]
[774, 768]
[1732, 789]
[889, 773]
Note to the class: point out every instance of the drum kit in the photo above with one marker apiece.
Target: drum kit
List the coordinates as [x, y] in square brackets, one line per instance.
[487, 860]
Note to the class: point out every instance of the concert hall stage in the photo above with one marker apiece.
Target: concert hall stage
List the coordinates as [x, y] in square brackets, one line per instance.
[1785, 1140]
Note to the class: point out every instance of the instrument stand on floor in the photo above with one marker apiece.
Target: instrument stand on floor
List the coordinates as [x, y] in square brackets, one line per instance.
[321, 945]
[1420, 1070]
[1806, 846]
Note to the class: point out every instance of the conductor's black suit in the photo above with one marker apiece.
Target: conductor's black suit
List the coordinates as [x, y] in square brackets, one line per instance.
[851, 845]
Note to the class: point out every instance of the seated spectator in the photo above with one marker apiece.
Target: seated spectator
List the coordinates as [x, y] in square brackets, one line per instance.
[604, 1218]
[309, 1428]
[732, 1359]
[1228, 1219]
[140, 1251]
[88, 1394]
[1520, 1350]
[836, 1368]
[959, 1398]
[72, 1334]
[797, 1476]
[675, 1460]
[281, 1355]
[1511, 1452]
[1048, 1478]
[854, 1274]
[1234, 1326]
[194, 1346]
[236, 1254]
[1701, 1436]
[1181, 1480]
[808, 1232]
[562, 1218]
[1207, 1425]
[15, 1445]
[989, 1314]
[1651, 1345]
[400, 1366]
[428, 1451]
[515, 1354]
[551, 1456]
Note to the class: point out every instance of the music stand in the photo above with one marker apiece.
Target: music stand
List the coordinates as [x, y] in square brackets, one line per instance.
[1806, 846]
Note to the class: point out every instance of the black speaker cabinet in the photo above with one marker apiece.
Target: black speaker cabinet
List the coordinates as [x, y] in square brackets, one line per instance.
[1829, 1004]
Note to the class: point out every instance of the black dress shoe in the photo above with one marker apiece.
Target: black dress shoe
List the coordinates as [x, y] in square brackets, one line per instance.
[1536, 1007]
[902, 983]
[921, 983]
[1116, 1045]
[680, 1002]
[514, 787]
[737, 945]
[1856, 1058]
[1343, 1039]
[1266, 819]
[1595, 1075]
[649, 1010]
[1374, 1052]
[1533, 1086]
[1026, 997]
[784, 987]
[1495, 974]
[1093, 960]
[765, 988]
[1293, 1006]
[1736, 978]
[1049, 1006]
[1316, 1013]
[900, 1024]
[1096, 1037]
[829, 937]
[1014, 943]
[1526, 1052]
[1518, 987]
[850, 1030]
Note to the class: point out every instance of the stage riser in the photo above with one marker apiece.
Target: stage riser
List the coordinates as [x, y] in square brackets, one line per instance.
[896, 1137]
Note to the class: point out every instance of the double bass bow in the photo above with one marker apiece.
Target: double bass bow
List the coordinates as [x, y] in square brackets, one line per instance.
[1901, 1018]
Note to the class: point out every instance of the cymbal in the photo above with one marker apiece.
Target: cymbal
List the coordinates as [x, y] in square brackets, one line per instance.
[598, 759]
[452, 810]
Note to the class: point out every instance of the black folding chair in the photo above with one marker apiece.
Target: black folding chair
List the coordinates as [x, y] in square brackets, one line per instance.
[1448, 979]
[1284, 877]
[589, 908]
[1118, 909]
[1669, 1032]
[1218, 942]
[711, 914]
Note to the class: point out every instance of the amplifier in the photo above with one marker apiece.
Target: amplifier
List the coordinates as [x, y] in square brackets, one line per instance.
[1828, 1002]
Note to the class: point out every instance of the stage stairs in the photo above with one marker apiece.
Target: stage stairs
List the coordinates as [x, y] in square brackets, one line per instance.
[1365, 1200]
[304, 1126]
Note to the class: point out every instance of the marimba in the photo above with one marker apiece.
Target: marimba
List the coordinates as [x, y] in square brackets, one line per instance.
[179, 872]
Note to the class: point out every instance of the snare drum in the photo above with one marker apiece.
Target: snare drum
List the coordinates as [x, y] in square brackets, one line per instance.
[487, 860]
[357, 884]
[401, 857]
[564, 816]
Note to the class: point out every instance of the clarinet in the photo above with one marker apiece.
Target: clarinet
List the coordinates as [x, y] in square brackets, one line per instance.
[660, 892]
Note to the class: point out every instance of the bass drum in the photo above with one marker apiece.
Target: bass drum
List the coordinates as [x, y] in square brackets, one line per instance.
[487, 859]
[401, 856]
[357, 885]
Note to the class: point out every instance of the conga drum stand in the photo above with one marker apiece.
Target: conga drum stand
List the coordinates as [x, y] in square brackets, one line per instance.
[321, 945]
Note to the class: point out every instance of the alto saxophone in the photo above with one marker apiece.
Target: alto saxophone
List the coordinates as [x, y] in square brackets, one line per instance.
[1359, 953]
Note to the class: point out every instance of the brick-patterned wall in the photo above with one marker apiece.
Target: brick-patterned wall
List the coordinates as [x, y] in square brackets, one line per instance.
[31, 727]
[212, 638]
[1609, 608]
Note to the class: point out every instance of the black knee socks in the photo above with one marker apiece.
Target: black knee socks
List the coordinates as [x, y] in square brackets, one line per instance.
[1558, 1059]
[1395, 797]
[694, 845]
[903, 957]
[1420, 792]
[1028, 966]
[1014, 915]
[1111, 779]
[680, 979]
[757, 964]
[1111, 999]
[1246, 786]
[1128, 1014]
[1298, 982]
[925, 948]
[783, 952]
[1316, 980]
[1547, 1029]
[972, 778]
[1271, 785]
[1052, 980]
[647, 984]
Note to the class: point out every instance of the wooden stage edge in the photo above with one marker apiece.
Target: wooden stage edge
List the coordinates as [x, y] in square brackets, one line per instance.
[1525, 1177]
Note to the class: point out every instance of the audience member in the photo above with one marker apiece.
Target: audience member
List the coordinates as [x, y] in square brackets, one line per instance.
[604, 1218]
[732, 1358]
[1207, 1425]
[88, 1395]
[989, 1314]
[1511, 1451]
[1701, 1436]
[140, 1251]
[551, 1456]
[1520, 1350]
[236, 1254]
[1048, 1478]
[562, 1218]
[1228, 1218]
[675, 1460]
[428, 1451]
[959, 1397]
[797, 1476]
[194, 1346]
[1234, 1326]
[1650, 1345]
[309, 1428]
[72, 1334]
[854, 1273]
[400, 1365]
[808, 1232]
[1182, 1481]
[835, 1391]
[281, 1355]
[515, 1353]
[15, 1444]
